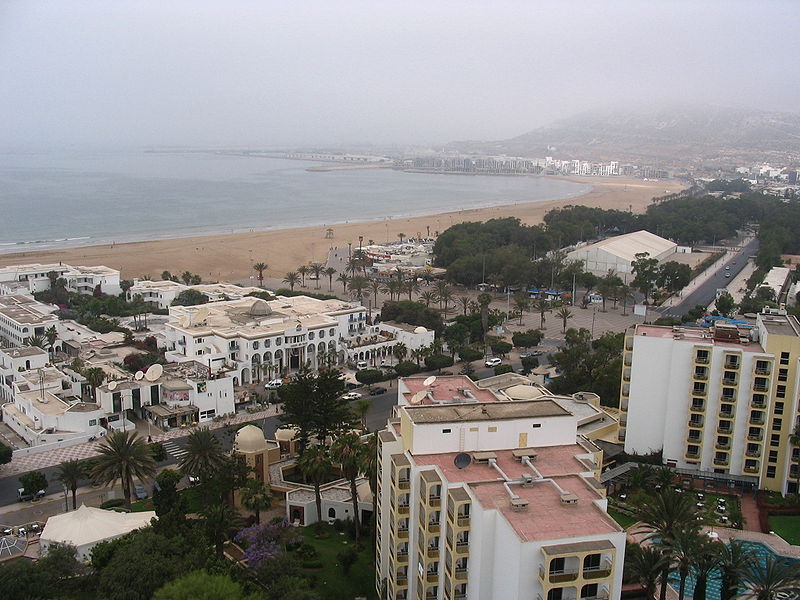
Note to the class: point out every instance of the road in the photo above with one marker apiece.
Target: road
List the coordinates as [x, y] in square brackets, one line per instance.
[707, 291]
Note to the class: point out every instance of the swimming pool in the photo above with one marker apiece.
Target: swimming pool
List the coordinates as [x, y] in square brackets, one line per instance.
[714, 585]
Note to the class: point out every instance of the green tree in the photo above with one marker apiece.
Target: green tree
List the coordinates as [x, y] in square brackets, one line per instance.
[303, 271]
[256, 496]
[221, 522]
[362, 406]
[316, 269]
[33, 482]
[201, 585]
[400, 351]
[204, 454]
[735, 560]
[291, 278]
[313, 403]
[673, 276]
[330, 272]
[501, 348]
[646, 273]
[541, 306]
[645, 565]
[51, 335]
[165, 491]
[725, 305]
[190, 297]
[315, 464]
[344, 279]
[6, 454]
[70, 474]
[347, 450]
[767, 578]
[526, 339]
[123, 456]
[370, 376]
[260, 267]
[565, 315]
[438, 361]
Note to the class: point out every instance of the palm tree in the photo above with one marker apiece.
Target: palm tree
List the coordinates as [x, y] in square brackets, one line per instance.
[357, 286]
[640, 477]
[706, 563]
[645, 564]
[292, 278]
[663, 477]
[221, 523]
[344, 280]
[412, 286]
[464, 301]
[303, 270]
[70, 474]
[51, 335]
[315, 464]
[256, 496]
[401, 236]
[95, 376]
[565, 315]
[541, 306]
[625, 294]
[735, 560]
[375, 287]
[400, 350]
[521, 304]
[204, 454]
[417, 354]
[427, 297]
[317, 270]
[766, 578]
[369, 463]
[123, 456]
[330, 272]
[683, 548]
[35, 340]
[362, 406]
[260, 267]
[348, 451]
[445, 298]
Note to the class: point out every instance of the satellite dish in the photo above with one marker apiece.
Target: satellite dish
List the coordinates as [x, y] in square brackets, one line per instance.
[429, 380]
[112, 386]
[185, 321]
[139, 375]
[154, 372]
[417, 398]
[200, 316]
[462, 460]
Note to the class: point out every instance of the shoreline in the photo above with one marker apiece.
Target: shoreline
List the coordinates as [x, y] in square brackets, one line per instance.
[221, 257]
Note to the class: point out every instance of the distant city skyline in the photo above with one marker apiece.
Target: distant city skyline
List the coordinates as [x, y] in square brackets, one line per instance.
[314, 73]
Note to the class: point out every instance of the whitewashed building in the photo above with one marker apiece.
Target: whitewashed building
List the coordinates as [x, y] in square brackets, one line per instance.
[22, 317]
[617, 253]
[30, 278]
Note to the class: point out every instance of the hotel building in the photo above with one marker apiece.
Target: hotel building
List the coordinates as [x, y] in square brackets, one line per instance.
[483, 498]
[722, 401]
[30, 278]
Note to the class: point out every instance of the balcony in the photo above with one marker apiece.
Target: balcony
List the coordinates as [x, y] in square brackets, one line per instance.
[692, 455]
[753, 453]
[403, 484]
[462, 520]
[701, 359]
[723, 446]
[756, 420]
[626, 374]
[435, 500]
[697, 407]
[433, 527]
[402, 534]
[432, 552]
[758, 403]
[731, 364]
[750, 469]
[699, 391]
[701, 376]
[730, 381]
[402, 557]
[695, 424]
[461, 574]
[724, 430]
[755, 437]
[562, 576]
[726, 414]
[693, 438]
[462, 547]
[432, 577]
[401, 580]
[760, 387]
[403, 509]
[762, 370]
[597, 572]
[723, 462]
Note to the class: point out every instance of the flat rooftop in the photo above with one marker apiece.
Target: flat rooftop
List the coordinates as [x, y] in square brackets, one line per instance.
[24, 352]
[780, 324]
[490, 411]
[457, 389]
[701, 335]
[23, 310]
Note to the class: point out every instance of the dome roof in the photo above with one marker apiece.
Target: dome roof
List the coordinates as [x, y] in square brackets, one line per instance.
[250, 439]
[420, 329]
[260, 308]
[286, 434]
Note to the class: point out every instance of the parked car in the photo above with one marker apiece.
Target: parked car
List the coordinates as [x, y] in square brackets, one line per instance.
[727, 275]
[493, 362]
[378, 390]
[361, 365]
[140, 492]
[274, 384]
[23, 497]
[351, 396]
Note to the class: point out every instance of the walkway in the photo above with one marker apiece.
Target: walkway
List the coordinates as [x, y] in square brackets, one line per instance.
[57, 456]
[750, 513]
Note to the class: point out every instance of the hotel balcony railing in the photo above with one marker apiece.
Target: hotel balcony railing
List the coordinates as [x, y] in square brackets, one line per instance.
[402, 534]
[755, 437]
[721, 461]
[725, 446]
[697, 407]
[726, 414]
[626, 375]
[753, 453]
[731, 365]
[404, 484]
[403, 509]
[461, 574]
[563, 576]
[435, 500]
[702, 360]
[701, 376]
[729, 381]
[724, 430]
[700, 391]
[750, 469]
[760, 387]
[727, 399]
[693, 439]
[695, 424]
[432, 577]
[462, 547]
[756, 420]
[597, 573]
[462, 520]
[758, 403]
[692, 455]
[433, 526]
[762, 370]
[402, 557]
[401, 580]
[432, 552]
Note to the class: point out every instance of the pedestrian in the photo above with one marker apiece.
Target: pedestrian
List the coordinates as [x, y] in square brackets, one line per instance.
[149, 439]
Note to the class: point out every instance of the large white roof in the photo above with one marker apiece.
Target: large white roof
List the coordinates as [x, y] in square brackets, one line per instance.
[628, 245]
[89, 525]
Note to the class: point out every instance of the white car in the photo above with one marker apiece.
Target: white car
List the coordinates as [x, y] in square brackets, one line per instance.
[351, 396]
[361, 365]
[493, 362]
[274, 384]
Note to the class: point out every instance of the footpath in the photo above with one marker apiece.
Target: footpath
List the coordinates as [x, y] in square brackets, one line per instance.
[51, 458]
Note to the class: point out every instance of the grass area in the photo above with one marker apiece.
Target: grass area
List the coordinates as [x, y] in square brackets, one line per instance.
[624, 520]
[786, 526]
[332, 582]
[192, 495]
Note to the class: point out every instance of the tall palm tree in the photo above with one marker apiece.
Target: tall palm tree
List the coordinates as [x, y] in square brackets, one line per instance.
[70, 474]
[369, 462]
[348, 451]
[95, 376]
[35, 340]
[317, 270]
[344, 280]
[362, 406]
[706, 563]
[303, 271]
[260, 267]
[357, 285]
[541, 306]
[51, 335]
[221, 523]
[256, 496]
[645, 564]
[330, 272]
[123, 456]
[735, 559]
[521, 304]
[204, 454]
[412, 286]
[464, 301]
[640, 477]
[400, 351]
[375, 287]
[402, 236]
[445, 298]
[683, 548]
[315, 464]
[292, 278]
[565, 315]
[427, 297]
[766, 578]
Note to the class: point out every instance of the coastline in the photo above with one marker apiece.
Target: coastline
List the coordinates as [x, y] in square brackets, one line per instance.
[221, 257]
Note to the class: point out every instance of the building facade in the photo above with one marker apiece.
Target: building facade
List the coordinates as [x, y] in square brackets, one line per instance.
[722, 400]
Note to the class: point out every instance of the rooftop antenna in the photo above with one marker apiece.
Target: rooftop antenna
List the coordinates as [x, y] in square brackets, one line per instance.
[112, 386]
[462, 460]
[417, 398]
[429, 380]
[154, 372]
[139, 375]
[200, 316]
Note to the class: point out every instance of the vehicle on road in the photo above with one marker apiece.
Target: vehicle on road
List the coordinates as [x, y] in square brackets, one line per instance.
[193, 480]
[23, 497]
[274, 384]
[361, 365]
[727, 267]
[140, 492]
[727, 275]
[493, 362]
[529, 354]
[351, 396]
[377, 391]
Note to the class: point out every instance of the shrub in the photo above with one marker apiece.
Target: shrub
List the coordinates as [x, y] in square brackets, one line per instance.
[469, 354]
[347, 558]
[406, 368]
[112, 503]
[500, 369]
[307, 551]
[5, 454]
[158, 451]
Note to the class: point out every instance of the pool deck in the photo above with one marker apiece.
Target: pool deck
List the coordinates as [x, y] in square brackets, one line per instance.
[773, 541]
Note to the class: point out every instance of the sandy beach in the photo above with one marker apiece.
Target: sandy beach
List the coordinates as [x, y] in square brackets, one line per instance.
[231, 256]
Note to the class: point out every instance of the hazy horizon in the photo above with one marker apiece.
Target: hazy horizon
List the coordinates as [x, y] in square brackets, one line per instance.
[244, 73]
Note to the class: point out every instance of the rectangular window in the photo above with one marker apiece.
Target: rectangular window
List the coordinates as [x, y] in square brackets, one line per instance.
[783, 374]
[777, 424]
[492, 429]
[775, 440]
[92, 422]
[771, 471]
[784, 361]
[780, 391]
[779, 408]
[535, 425]
[773, 456]
[446, 430]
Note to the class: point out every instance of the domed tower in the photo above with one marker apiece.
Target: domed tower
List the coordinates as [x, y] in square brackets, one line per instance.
[251, 443]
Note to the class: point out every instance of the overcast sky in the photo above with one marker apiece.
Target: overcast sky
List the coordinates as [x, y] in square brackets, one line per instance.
[238, 72]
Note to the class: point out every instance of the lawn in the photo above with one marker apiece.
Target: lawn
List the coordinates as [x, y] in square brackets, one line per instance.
[624, 520]
[192, 495]
[786, 526]
[332, 582]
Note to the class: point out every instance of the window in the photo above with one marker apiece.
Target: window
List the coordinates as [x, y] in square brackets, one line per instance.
[92, 422]
[780, 392]
[255, 345]
[784, 361]
[783, 374]
[777, 424]
[492, 429]
[535, 425]
[331, 513]
[771, 471]
[779, 408]
[331, 332]
[775, 440]
[321, 333]
[773, 456]
[311, 335]
[446, 430]
[277, 341]
[267, 343]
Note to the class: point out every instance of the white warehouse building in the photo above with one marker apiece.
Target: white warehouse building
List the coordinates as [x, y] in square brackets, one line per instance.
[617, 253]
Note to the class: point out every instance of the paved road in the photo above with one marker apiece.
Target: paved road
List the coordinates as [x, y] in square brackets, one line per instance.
[707, 291]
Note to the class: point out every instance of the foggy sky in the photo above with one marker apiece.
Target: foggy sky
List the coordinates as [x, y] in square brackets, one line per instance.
[239, 72]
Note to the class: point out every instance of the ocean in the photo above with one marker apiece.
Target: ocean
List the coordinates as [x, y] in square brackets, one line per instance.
[68, 199]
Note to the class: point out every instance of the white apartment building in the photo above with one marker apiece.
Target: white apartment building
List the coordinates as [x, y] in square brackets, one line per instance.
[163, 292]
[30, 278]
[493, 499]
[257, 340]
[22, 317]
[722, 401]
[14, 361]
